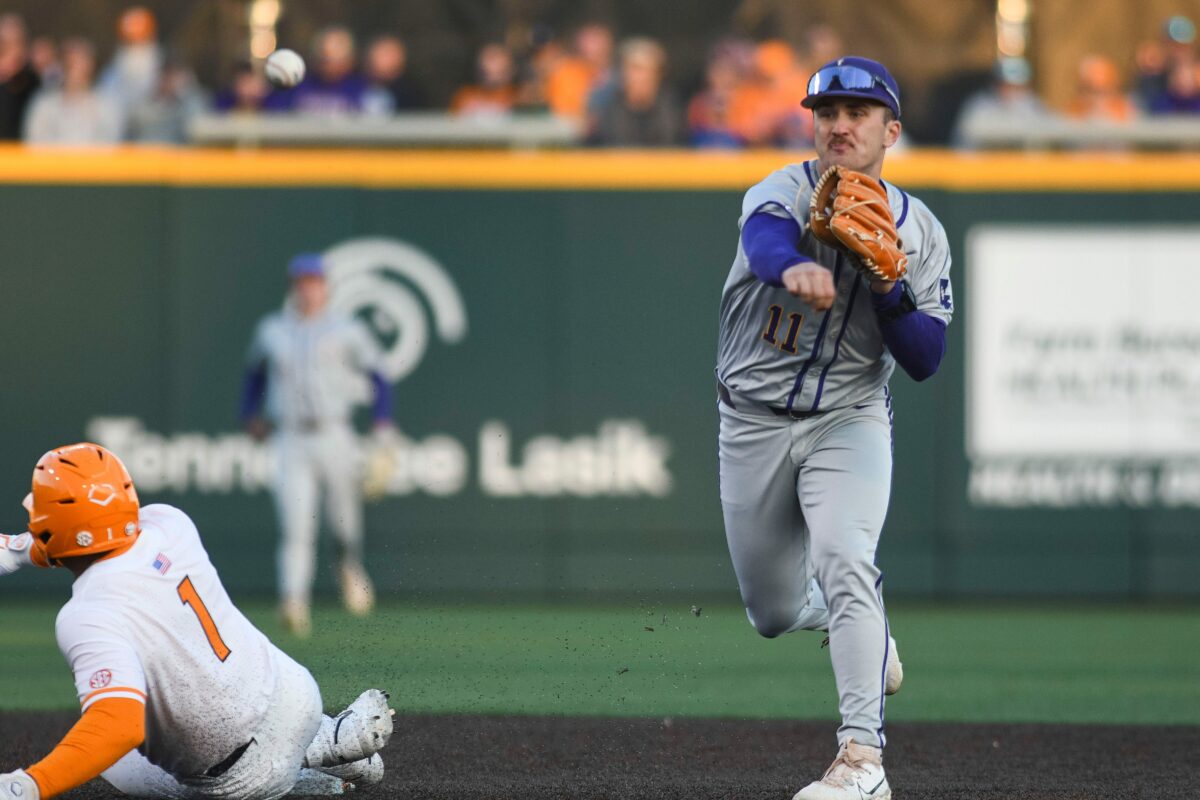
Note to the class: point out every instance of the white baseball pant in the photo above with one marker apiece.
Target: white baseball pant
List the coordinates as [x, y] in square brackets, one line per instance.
[311, 463]
[271, 766]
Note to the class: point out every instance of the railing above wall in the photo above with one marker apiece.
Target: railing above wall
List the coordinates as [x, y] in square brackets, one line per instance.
[1001, 131]
[984, 131]
[410, 129]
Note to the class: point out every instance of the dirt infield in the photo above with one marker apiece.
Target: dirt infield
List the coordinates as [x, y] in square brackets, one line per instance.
[541, 757]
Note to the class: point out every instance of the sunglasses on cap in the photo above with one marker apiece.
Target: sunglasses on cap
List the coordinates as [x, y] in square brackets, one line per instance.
[849, 78]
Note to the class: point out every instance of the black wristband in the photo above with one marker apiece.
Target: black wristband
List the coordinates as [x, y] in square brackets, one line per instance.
[907, 304]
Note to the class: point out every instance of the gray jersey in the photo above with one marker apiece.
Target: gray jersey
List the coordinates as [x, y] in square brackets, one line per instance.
[775, 349]
[316, 368]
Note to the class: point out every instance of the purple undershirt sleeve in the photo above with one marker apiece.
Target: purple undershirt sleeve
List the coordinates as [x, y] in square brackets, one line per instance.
[770, 246]
[254, 385]
[917, 341]
[381, 408]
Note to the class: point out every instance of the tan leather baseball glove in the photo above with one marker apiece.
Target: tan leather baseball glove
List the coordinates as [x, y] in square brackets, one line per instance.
[850, 210]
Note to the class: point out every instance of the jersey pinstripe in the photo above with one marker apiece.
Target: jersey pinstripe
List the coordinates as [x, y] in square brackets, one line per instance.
[777, 350]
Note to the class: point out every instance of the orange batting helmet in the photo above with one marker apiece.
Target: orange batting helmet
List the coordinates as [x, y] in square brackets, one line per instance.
[83, 502]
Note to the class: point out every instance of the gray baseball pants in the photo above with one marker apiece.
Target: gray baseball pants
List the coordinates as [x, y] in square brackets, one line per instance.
[804, 502]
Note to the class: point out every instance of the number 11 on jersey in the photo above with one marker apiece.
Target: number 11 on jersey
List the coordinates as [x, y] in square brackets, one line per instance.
[189, 597]
[788, 345]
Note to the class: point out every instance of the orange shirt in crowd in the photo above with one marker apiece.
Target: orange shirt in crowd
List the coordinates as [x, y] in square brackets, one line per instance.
[569, 84]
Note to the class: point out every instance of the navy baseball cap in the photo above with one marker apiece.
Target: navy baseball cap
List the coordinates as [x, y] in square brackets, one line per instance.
[305, 264]
[854, 76]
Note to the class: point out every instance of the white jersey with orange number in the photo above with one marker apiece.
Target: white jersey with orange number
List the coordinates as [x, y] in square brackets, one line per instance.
[155, 624]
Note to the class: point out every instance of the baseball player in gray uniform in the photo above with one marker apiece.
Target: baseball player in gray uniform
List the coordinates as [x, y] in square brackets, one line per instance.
[309, 363]
[807, 344]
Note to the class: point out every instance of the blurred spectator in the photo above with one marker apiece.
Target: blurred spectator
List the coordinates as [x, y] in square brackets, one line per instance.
[710, 112]
[594, 46]
[389, 87]
[642, 112]
[246, 93]
[18, 80]
[1098, 94]
[822, 44]
[1182, 92]
[767, 107]
[333, 86]
[536, 86]
[1010, 100]
[568, 81]
[75, 113]
[496, 92]
[1156, 58]
[43, 57]
[165, 117]
[573, 76]
[132, 77]
[1150, 61]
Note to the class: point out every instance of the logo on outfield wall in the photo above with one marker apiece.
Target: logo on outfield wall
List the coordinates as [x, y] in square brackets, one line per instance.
[408, 299]
[620, 458]
[401, 292]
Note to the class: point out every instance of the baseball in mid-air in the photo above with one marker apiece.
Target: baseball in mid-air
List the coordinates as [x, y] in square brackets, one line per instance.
[285, 68]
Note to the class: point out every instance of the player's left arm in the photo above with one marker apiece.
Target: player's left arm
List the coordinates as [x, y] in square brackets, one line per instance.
[254, 385]
[914, 312]
[111, 686]
[368, 357]
[108, 729]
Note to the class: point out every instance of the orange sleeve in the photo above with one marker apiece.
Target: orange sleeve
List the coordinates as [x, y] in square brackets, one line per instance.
[108, 730]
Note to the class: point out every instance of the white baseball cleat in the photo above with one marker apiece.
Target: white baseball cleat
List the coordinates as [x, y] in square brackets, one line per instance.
[895, 670]
[856, 774]
[364, 772]
[359, 732]
[358, 594]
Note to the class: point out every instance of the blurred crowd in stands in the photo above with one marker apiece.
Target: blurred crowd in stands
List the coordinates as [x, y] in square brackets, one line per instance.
[620, 91]
[1165, 80]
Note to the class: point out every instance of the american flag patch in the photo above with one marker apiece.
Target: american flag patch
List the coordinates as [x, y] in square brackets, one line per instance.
[162, 563]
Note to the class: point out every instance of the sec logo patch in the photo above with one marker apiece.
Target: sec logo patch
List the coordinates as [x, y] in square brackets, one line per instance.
[100, 678]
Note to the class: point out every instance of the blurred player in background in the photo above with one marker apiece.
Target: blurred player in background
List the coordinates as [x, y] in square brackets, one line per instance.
[808, 341]
[182, 697]
[309, 362]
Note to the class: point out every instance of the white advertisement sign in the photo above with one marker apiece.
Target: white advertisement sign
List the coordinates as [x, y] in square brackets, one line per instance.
[1084, 351]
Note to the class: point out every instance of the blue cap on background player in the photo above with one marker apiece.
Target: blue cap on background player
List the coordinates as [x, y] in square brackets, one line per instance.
[303, 264]
[853, 76]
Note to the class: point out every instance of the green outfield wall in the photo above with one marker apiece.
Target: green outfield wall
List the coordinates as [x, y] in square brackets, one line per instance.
[551, 322]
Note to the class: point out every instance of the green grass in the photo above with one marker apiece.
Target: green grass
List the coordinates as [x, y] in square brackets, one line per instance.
[1083, 664]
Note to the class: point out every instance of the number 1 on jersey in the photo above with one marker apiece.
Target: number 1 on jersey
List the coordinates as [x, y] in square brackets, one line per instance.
[189, 597]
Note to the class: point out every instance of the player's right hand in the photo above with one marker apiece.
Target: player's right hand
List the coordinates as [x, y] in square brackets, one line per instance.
[18, 786]
[812, 283]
